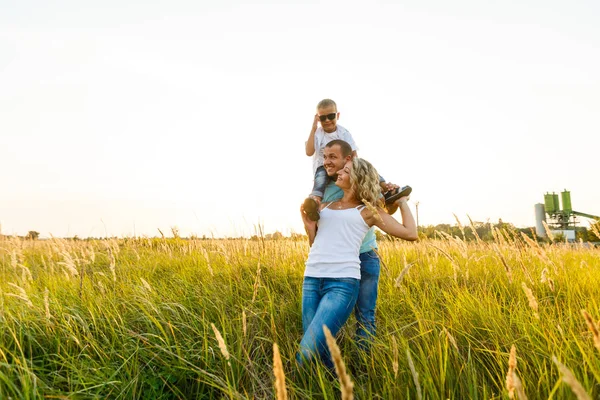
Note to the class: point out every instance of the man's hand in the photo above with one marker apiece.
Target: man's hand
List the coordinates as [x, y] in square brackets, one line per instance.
[387, 186]
[393, 207]
[315, 123]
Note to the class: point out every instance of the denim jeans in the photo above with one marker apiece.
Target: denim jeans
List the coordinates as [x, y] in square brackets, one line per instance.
[367, 299]
[325, 301]
[321, 181]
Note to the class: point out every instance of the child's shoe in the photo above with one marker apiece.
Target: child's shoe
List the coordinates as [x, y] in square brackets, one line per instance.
[393, 195]
[311, 208]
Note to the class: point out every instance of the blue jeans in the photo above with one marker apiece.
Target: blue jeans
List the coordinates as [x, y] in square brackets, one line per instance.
[367, 299]
[321, 182]
[325, 301]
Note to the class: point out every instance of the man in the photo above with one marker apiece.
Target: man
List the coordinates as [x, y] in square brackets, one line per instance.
[335, 155]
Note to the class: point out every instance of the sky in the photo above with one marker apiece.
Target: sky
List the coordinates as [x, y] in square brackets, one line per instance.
[125, 117]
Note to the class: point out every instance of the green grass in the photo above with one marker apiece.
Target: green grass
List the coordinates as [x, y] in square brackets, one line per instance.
[131, 318]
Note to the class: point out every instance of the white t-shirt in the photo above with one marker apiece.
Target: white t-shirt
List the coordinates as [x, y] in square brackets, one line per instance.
[322, 138]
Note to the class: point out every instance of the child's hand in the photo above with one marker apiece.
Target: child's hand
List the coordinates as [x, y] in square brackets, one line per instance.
[316, 122]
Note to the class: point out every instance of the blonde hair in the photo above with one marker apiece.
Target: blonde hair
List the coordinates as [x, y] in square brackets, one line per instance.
[364, 181]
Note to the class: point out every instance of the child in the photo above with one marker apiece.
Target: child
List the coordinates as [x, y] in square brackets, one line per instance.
[329, 130]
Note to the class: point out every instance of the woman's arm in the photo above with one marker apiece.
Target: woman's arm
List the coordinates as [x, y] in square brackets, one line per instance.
[406, 230]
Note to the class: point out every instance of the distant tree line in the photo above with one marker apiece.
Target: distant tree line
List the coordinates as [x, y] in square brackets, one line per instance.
[483, 230]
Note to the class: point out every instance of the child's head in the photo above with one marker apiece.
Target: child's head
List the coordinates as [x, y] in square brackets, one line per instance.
[328, 115]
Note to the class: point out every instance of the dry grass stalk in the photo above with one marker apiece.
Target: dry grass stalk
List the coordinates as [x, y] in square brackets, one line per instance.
[207, 258]
[222, 345]
[547, 280]
[531, 298]
[69, 264]
[455, 240]
[414, 373]
[14, 260]
[280, 388]
[451, 339]
[112, 265]
[510, 375]
[569, 379]
[47, 303]
[548, 231]
[398, 281]
[256, 283]
[244, 326]
[513, 383]
[593, 328]
[529, 241]
[146, 285]
[506, 235]
[460, 226]
[346, 384]
[595, 229]
[519, 387]
[373, 210]
[22, 295]
[504, 263]
[477, 238]
[448, 256]
[395, 356]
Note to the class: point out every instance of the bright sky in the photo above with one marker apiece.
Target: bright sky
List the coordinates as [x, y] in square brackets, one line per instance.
[121, 117]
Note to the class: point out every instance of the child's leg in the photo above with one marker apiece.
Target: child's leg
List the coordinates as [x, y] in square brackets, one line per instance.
[321, 181]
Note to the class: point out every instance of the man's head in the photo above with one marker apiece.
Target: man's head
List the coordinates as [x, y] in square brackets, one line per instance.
[328, 115]
[335, 155]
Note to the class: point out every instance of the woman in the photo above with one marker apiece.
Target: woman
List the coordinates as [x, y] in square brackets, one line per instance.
[332, 274]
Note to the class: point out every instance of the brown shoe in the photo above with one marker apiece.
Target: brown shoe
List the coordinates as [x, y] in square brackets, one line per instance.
[395, 194]
[311, 208]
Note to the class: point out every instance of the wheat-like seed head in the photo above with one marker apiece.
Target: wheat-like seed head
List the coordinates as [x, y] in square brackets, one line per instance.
[244, 326]
[347, 387]
[477, 238]
[531, 298]
[451, 339]
[47, 303]
[571, 380]
[222, 345]
[460, 226]
[22, 295]
[394, 356]
[593, 328]
[414, 373]
[373, 210]
[256, 283]
[280, 388]
[512, 365]
[548, 231]
[146, 285]
[519, 387]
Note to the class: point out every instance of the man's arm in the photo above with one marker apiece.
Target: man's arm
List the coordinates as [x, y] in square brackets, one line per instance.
[310, 143]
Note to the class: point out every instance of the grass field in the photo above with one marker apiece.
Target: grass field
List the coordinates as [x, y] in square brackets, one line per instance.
[133, 318]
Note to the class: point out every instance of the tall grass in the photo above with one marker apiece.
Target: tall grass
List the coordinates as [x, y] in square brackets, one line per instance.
[171, 318]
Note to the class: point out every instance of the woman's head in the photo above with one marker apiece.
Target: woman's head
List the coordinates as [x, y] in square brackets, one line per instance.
[361, 178]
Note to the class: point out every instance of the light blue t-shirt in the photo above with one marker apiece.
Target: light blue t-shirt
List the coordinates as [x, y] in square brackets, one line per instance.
[332, 193]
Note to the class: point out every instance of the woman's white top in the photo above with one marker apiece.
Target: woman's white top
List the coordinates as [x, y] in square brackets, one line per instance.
[335, 251]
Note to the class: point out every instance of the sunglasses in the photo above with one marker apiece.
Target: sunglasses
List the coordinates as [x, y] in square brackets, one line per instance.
[330, 117]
